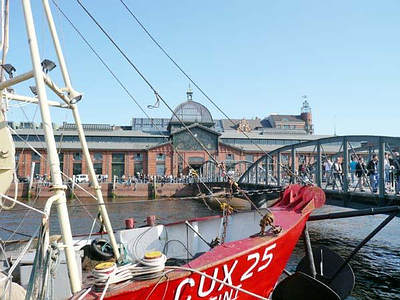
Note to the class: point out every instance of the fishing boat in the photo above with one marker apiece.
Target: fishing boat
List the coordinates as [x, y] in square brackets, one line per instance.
[219, 257]
[232, 255]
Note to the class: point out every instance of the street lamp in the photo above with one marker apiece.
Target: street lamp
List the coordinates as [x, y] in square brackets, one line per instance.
[33, 90]
[9, 68]
[47, 65]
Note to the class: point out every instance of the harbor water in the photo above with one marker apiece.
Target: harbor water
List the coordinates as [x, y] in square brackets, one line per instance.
[376, 266]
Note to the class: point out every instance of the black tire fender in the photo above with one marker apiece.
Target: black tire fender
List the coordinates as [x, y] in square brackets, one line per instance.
[101, 250]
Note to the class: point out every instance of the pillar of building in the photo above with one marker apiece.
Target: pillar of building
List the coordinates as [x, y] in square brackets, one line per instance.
[129, 164]
[107, 164]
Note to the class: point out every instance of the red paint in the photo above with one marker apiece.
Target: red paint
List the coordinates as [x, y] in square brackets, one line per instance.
[254, 263]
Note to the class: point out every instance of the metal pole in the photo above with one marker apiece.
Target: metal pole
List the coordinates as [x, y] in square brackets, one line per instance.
[92, 173]
[52, 151]
[278, 169]
[381, 168]
[31, 178]
[5, 36]
[266, 170]
[310, 255]
[256, 166]
[345, 165]
[293, 164]
[362, 243]
[15, 80]
[319, 163]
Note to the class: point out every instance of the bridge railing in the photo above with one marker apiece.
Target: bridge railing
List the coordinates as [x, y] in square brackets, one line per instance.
[338, 163]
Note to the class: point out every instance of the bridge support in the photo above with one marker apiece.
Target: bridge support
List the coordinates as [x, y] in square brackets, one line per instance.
[257, 173]
[345, 165]
[381, 167]
[293, 153]
[266, 170]
[278, 169]
[318, 176]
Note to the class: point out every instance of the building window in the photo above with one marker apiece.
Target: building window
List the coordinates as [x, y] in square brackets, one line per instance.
[249, 157]
[160, 169]
[98, 156]
[35, 156]
[77, 168]
[138, 156]
[98, 168]
[138, 168]
[118, 164]
[36, 171]
[230, 156]
[61, 159]
[160, 157]
[77, 156]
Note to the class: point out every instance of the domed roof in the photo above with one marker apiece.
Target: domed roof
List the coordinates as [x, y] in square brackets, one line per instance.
[192, 112]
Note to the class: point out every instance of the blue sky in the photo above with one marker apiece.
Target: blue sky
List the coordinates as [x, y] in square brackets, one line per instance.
[252, 57]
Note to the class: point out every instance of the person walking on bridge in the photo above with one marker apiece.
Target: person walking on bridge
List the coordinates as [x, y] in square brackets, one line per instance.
[372, 168]
[337, 173]
[352, 166]
[360, 173]
[396, 164]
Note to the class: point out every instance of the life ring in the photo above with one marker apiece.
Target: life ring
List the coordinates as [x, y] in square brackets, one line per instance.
[101, 250]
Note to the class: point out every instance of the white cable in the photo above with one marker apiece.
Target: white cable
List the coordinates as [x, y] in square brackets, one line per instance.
[23, 204]
[85, 293]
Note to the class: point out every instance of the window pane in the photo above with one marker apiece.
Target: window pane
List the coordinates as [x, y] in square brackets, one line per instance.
[77, 168]
[160, 169]
[35, 156]
[160, 157]
[98, 156]
[118, 157]
[98, 168]
[138, 168]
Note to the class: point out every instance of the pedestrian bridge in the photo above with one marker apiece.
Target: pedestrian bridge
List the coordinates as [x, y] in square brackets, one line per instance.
[310, 162]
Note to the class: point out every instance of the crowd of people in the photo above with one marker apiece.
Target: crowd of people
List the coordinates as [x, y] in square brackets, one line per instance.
[363, 174]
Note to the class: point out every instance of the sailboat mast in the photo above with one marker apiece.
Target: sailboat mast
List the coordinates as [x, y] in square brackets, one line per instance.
[52, 150]
[72, 93]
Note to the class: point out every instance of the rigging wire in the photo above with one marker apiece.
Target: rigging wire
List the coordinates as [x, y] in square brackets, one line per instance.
[220, 165]
[121, 84]
[199, 88]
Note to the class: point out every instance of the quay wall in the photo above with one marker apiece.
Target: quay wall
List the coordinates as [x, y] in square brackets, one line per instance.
[139, 191]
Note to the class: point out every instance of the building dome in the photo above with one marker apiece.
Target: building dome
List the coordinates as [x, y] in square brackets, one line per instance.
[192, 112]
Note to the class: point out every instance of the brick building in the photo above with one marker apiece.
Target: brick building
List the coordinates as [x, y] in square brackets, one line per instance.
[162, 146]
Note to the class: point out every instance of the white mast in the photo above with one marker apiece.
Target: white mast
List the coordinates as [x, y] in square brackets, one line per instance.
[58, 187]
[72, 94]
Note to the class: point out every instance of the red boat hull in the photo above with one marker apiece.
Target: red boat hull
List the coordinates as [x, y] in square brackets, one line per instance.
[253, 264]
